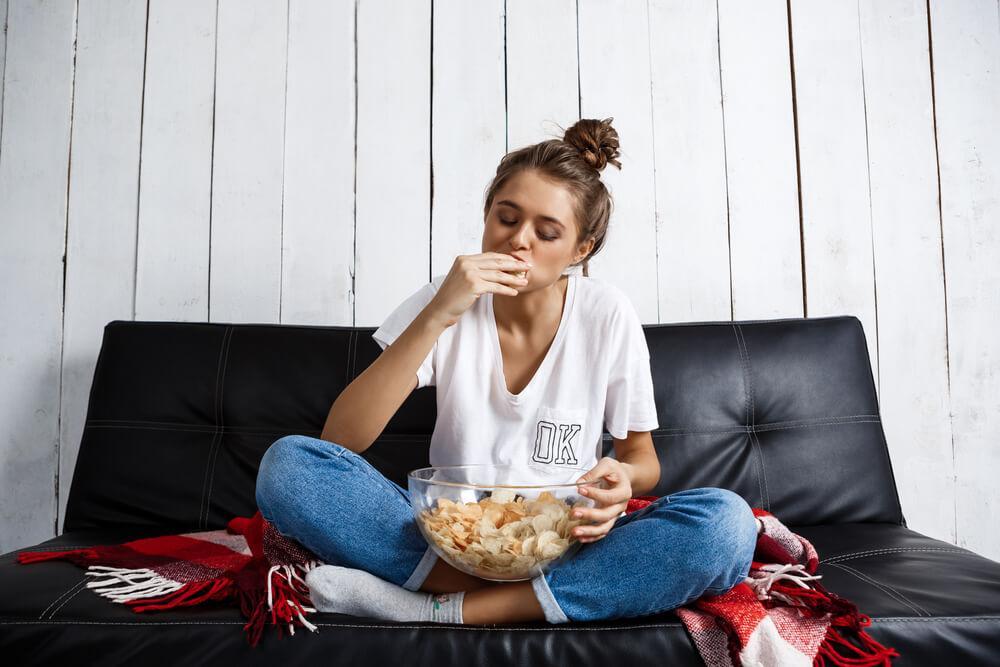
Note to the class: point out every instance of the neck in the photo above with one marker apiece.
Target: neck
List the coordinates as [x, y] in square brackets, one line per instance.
[531, 311]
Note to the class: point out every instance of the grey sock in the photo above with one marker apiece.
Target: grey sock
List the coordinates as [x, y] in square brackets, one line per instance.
[350, 591]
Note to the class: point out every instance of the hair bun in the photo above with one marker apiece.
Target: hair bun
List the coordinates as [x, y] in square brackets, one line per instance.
[596, 140]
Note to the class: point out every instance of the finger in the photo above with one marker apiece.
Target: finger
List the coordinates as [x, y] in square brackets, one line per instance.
[498, 288]
[605, 497]
[585, 540]
[590, 531]
[595, 473]
[504, 278]
[593, 515]
[501, 260]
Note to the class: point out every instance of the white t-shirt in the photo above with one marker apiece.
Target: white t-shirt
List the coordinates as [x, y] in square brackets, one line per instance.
[595, 373]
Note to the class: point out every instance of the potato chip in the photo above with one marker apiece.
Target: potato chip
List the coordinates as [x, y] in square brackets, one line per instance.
[503, 496]
[542, 523]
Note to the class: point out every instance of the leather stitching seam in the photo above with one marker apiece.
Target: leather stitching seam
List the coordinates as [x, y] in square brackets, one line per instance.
[885, 588]
[222, 426]
[875, 552]
[217, 434]
[63, 603]
[61, 596]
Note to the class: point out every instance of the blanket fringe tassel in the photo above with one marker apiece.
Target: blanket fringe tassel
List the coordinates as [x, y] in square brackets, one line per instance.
[287, 601]
[122, 584]
[145, 590]
[787, 582]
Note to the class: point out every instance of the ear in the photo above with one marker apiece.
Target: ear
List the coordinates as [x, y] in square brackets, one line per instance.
[584, 250]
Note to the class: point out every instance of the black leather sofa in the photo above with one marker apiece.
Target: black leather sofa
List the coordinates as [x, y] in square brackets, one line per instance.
[781, 411]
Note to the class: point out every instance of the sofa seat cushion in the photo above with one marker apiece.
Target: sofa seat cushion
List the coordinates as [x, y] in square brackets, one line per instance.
[927, 598]
[892, 571]
[931, 600]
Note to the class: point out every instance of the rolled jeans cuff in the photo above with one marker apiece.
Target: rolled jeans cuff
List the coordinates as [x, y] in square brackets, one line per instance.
[553, 613]
[422, 570]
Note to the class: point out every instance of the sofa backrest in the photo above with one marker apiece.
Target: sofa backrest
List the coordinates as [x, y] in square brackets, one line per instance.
[783, 412]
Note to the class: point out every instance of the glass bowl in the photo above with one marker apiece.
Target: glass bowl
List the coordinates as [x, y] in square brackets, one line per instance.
[482, 519]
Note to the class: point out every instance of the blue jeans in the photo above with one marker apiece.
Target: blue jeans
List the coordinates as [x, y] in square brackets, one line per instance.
[336, 504]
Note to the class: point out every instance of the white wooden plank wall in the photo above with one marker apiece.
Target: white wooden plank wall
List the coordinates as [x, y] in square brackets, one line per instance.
[302, 161]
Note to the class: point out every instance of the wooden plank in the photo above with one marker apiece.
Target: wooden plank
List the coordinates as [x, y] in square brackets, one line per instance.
[965, 43]
[912, 353]
[176, 169]
[764, 247]
[833, 164]
[468, 123]
[614, 82]
[541, 101]
[318, 229]
[3, 53]
[34, 159]
[245, 274]
[103, 189]
[392, 254]
[690, 162]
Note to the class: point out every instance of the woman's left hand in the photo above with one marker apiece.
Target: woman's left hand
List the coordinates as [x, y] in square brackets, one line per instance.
[609, 502]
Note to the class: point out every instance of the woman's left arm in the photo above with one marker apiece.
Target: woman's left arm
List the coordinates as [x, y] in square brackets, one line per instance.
[638, 457]
[634, 471]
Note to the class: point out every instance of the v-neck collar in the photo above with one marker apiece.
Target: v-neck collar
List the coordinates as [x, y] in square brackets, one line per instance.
[551, 352]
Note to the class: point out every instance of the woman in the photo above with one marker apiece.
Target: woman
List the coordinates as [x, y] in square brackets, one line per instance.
[527, 374]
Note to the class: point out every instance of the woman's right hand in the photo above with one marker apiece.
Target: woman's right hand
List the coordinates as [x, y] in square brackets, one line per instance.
[470, 277]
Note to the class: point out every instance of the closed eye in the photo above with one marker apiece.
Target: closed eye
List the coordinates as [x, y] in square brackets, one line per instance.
[541, 236]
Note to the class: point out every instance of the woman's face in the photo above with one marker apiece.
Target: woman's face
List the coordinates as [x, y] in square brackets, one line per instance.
[532, 218]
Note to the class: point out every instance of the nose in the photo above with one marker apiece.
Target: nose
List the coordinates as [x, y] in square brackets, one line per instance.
[519, 238]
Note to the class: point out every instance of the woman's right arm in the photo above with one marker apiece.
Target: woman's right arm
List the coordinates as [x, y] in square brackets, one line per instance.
[361, 412]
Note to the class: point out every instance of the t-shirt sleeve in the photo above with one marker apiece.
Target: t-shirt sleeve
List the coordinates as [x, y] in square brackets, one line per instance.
[630, 404]
[399, 319]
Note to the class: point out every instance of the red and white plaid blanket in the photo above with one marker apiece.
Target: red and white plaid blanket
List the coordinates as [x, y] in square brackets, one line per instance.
[778, 615]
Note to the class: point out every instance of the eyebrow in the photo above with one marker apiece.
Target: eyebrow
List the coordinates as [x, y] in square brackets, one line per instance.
[507, 202]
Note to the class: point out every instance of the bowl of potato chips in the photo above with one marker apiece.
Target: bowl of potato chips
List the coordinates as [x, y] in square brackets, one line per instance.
[482, 521]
